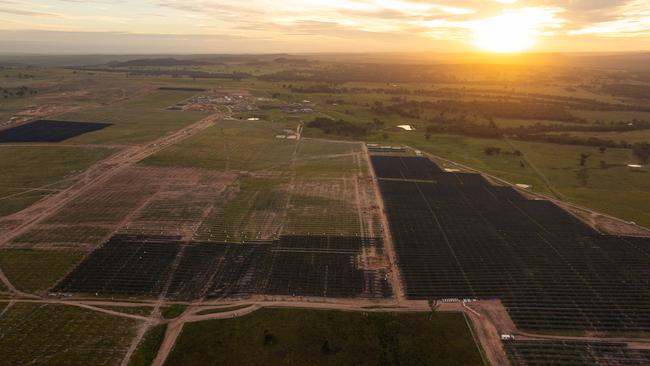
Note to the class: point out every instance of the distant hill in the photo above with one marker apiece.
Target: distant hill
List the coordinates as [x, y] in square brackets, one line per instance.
[162, 62]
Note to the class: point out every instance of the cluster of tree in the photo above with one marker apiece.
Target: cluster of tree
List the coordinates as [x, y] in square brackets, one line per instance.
[467, 129]
[404, 109]
[642, 151]
[20, 75]
[507, 109]
[319, 88]
[180, 73]
[490, 131]
[196, 74]
[566, 102]
[294, 61]
[19, 92]
[381, 73]
[634, 125]
[566, 139]
[491, 151]
[157, 62]
[497, 95]
[628, 90]
[486, 109]
[345, 128]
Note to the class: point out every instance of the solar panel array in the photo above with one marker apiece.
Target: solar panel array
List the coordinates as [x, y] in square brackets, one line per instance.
[49, 131]
[574, 353]
[321, 266]
[457, 236]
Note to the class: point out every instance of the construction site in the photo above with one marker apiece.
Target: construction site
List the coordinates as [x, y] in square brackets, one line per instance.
[223, 217]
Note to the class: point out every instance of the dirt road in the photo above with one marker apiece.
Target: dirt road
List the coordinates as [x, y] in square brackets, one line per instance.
[616, 223]
[96, 175]
[396, 281]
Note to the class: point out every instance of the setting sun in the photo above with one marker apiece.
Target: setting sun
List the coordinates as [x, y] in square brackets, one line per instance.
[504, 34]
[509, 32]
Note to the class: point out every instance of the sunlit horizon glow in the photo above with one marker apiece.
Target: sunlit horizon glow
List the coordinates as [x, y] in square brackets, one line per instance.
[501, 26]
[513, 32]
[504, 34]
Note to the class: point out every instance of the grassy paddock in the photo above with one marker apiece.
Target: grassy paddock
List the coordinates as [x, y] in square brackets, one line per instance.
[604, 184]
[149, 346]
[311, 337]
[137, 120]
[173, 311]
[37, 270]
[231, 145]
[27, 168]
[471, 152]
[37, 334]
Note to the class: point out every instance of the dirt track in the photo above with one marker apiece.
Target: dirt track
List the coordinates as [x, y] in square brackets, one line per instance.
[396, 281]
[92, 177]
[489, 319]
[96, 175]
[597, 220]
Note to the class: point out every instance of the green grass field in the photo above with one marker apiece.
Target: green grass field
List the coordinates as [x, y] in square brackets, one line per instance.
[173, 311]
[149, 346]
[137, 120]
[37, 270]
[30, 173]
[516, 123]
[611, 116]
[261, 205]
[629, 136]
[35, 334]
[605, 184]
[470, 151]
[311, 337]
[231, 145]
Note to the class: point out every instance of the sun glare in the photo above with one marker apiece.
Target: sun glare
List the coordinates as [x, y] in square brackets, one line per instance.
[507, 33]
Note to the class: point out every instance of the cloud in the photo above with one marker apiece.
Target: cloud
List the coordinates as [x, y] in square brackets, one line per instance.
[27, 13]
[401, 22]
[630, 19]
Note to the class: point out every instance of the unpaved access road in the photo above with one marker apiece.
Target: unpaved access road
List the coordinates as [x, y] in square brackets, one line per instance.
[96, 175]
[92, 177]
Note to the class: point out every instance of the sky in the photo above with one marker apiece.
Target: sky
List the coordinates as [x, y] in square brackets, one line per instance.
[263, 26]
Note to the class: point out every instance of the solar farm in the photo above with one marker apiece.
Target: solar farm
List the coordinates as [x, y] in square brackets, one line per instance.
[48, 131]
[154, 266]
[159, 227]
[458, 236]
[538, 353]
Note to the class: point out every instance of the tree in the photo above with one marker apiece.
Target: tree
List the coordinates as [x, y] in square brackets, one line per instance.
[602, 149]
[583, 159]
[269, 338]
[326, 348]
[642, 151]
[492, 151]
[385, 136]
[427, 135]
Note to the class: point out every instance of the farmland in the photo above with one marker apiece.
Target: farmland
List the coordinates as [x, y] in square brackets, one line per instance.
[36, 270]
[136, 120]
[51, 334]
[604, 183]
[205, 213]
[277, 336]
